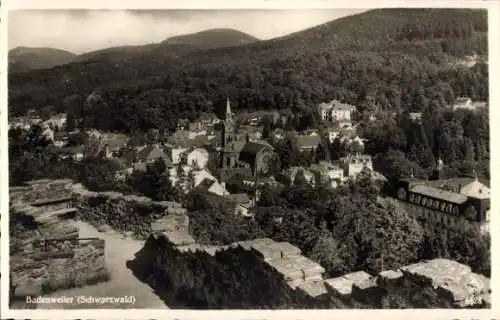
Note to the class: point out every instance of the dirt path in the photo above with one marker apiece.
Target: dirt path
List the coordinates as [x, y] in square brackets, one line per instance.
[123, 283]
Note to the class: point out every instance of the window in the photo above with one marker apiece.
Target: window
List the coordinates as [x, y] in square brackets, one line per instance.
[436, 204]
[455, 211]
[412, 197]
[417, 199]
[443, 206]
[424, 201]
[448, 208]
[429, 203]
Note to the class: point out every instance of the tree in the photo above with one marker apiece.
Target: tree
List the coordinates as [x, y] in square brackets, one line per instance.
[212, 220]
[300, 179]
[153, 136]
[71, 120]
[97, 174]
[46, 112]
[356, 147]
[394, 166]
[191, 181]
[326, 252]
[320, 153]
[181, 183]
[336, 149]
[154, 183]
[288, 153]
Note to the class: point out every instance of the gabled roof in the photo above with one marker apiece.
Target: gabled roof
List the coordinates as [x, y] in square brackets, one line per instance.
[116, 142]
[308, 141]
[119, 163]
[58, 117]
[60, 135]
[356, 158]
[343, 106]
[128, 156]
[239, 198]
[436, 193]
[462, 100]
[205, 184]
[195, 126]
[197, 142]
[152, 153]
[454, 183]
[476, 189]
[254, 147]
[73, 150]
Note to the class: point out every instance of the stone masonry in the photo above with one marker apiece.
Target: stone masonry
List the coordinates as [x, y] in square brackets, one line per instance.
[263, 273]
[46, 253]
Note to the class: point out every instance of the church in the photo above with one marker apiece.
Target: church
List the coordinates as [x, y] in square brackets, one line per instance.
[237, 154]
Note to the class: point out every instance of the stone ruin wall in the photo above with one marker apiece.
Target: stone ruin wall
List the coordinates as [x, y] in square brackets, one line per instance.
[38, 266]
[262, 273]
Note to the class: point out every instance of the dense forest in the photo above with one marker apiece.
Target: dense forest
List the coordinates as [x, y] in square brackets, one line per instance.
[390, 59]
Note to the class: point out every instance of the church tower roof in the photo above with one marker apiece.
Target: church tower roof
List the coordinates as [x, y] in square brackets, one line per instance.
[228, 109]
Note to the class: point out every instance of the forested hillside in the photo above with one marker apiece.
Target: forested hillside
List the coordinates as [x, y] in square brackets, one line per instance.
[172, 47]
[390, 59]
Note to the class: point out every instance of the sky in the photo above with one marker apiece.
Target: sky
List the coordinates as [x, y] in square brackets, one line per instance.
[82, 31]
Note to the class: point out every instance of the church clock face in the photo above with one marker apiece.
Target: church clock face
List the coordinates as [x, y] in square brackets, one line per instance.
[401, 193]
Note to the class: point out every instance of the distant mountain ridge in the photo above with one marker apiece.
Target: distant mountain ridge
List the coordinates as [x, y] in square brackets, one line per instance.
[22, 59]
[212, 39]
[355, 58]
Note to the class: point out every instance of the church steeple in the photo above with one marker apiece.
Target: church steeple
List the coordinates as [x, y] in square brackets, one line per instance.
[229, 114]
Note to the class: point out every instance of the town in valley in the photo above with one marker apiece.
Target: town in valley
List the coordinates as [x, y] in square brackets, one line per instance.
[344, 166]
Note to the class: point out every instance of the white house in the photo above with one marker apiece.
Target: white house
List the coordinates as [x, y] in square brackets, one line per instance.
[335, 111]
[353, 165]
[203, 179]
[332, 133]
[57, 121]
[463, 103]
[351, 142]
[242, 204]
[468, 104]
[213, 186]
[48, 133]
[416, 116]
[198, 158]
[175, 153]
[325, 171]
[476, 189]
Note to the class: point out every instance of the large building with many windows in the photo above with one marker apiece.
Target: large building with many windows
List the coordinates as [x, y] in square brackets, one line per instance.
[449, 201]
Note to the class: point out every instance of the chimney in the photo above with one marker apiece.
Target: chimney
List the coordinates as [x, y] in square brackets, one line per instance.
[108, 152]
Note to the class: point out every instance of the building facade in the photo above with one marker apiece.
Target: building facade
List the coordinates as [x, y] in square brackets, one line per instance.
[236, 153]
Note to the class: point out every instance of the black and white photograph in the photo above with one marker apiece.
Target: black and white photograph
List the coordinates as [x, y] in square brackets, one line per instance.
[239, 159]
